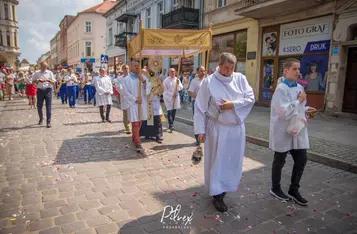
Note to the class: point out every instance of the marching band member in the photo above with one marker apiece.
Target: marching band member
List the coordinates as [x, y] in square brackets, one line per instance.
[71, 80]
[86, 79]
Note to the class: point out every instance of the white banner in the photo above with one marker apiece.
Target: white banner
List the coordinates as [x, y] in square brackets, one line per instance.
[306, 36]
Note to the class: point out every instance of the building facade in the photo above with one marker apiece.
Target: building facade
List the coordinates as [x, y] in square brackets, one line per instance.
[62, 49]
[232, 33]
[116, 52]
[302, 31]
[54, 57]
[341, 96]
[181, 14]
[86, 37]
[9, 33]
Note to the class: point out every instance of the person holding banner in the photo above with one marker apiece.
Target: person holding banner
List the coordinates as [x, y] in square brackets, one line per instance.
[134, 100]
[172, 86]
[152, 127]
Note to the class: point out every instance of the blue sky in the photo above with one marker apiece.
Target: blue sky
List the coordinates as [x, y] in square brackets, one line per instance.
[39, 22]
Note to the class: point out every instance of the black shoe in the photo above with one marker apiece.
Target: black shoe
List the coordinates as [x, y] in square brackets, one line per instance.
[48, 125]
[40, 122]
[85, 102]
[219, 204]
[139, 148]
[159, 140]
[109, 121]
[278, 193]
[296, 197]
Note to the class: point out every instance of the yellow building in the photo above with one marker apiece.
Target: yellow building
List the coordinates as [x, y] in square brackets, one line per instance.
[234, 34]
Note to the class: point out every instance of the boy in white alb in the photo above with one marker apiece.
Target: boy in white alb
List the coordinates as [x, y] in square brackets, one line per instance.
[288, 102]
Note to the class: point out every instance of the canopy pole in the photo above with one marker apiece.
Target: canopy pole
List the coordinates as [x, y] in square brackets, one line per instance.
[208, 51]
[177, 82]
[207, 58]
[140, 75]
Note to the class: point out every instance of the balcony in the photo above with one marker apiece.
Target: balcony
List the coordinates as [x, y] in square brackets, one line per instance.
[182, 18]
[259, 9]
[120, 39]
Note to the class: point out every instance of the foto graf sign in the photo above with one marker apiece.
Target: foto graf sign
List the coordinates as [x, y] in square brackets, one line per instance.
[308, 36]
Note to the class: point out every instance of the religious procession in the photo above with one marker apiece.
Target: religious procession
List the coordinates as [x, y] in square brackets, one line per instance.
[221, 102]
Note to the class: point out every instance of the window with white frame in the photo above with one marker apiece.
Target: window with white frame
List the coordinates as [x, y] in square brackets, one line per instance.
[222, 3]
[110, 35]
[88, 48]
[160, 8]
[175, 4]
[15, 39]
[6, 9]
[88, 26]
[148, 17]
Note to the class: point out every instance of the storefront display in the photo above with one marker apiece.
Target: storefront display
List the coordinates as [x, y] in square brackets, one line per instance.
[235, 43]
[309, 42]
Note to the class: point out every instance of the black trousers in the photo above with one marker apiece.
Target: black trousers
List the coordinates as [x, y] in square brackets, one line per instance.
[101, 110]
[300, 159]
[44, 95]
[152, 131]
[171, 117]
[193, 111]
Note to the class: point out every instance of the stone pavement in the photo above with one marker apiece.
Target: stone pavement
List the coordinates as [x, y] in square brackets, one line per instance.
[332, 140]
[82, 176]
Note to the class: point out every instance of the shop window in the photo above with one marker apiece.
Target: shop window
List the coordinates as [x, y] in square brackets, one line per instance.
[235, 43]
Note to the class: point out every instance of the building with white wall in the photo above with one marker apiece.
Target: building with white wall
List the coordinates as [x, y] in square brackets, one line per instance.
[86, 40]
[175, 14]
[9, 33]
[54, 57]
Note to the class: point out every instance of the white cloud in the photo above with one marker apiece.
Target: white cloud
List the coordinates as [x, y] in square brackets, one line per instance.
[39, 22]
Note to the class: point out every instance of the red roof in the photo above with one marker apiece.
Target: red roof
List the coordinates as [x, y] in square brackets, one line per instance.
[100, 8]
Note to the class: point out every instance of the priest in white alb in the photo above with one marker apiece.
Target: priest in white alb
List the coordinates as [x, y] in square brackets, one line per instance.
[222, 104]
[172, 86]
[132, 101]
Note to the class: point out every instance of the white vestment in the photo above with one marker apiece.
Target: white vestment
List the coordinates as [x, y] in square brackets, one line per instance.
[103, 85]
[129, 94]
[225, 130]
[284, 105]
[169, 89]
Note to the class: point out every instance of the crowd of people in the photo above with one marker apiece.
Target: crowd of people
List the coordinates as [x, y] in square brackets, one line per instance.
[220, 104]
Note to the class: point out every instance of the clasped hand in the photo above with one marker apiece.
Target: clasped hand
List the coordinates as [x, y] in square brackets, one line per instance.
[226, 105]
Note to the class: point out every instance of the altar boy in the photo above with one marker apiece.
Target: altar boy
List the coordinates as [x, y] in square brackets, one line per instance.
[289, 101]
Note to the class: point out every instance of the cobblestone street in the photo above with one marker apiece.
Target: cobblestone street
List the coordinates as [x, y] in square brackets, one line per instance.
[83, 176]
[332, 140]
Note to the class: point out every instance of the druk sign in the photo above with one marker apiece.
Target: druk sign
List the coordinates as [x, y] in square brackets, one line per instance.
[308, 36]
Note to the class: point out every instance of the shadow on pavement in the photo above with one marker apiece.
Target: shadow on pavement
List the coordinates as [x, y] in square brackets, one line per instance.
[88, 123]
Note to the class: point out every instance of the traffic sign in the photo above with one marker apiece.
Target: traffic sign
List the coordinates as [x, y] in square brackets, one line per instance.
[104, 59]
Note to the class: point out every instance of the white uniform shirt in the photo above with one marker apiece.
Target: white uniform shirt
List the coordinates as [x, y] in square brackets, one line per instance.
[47, 75]
[195, 86]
